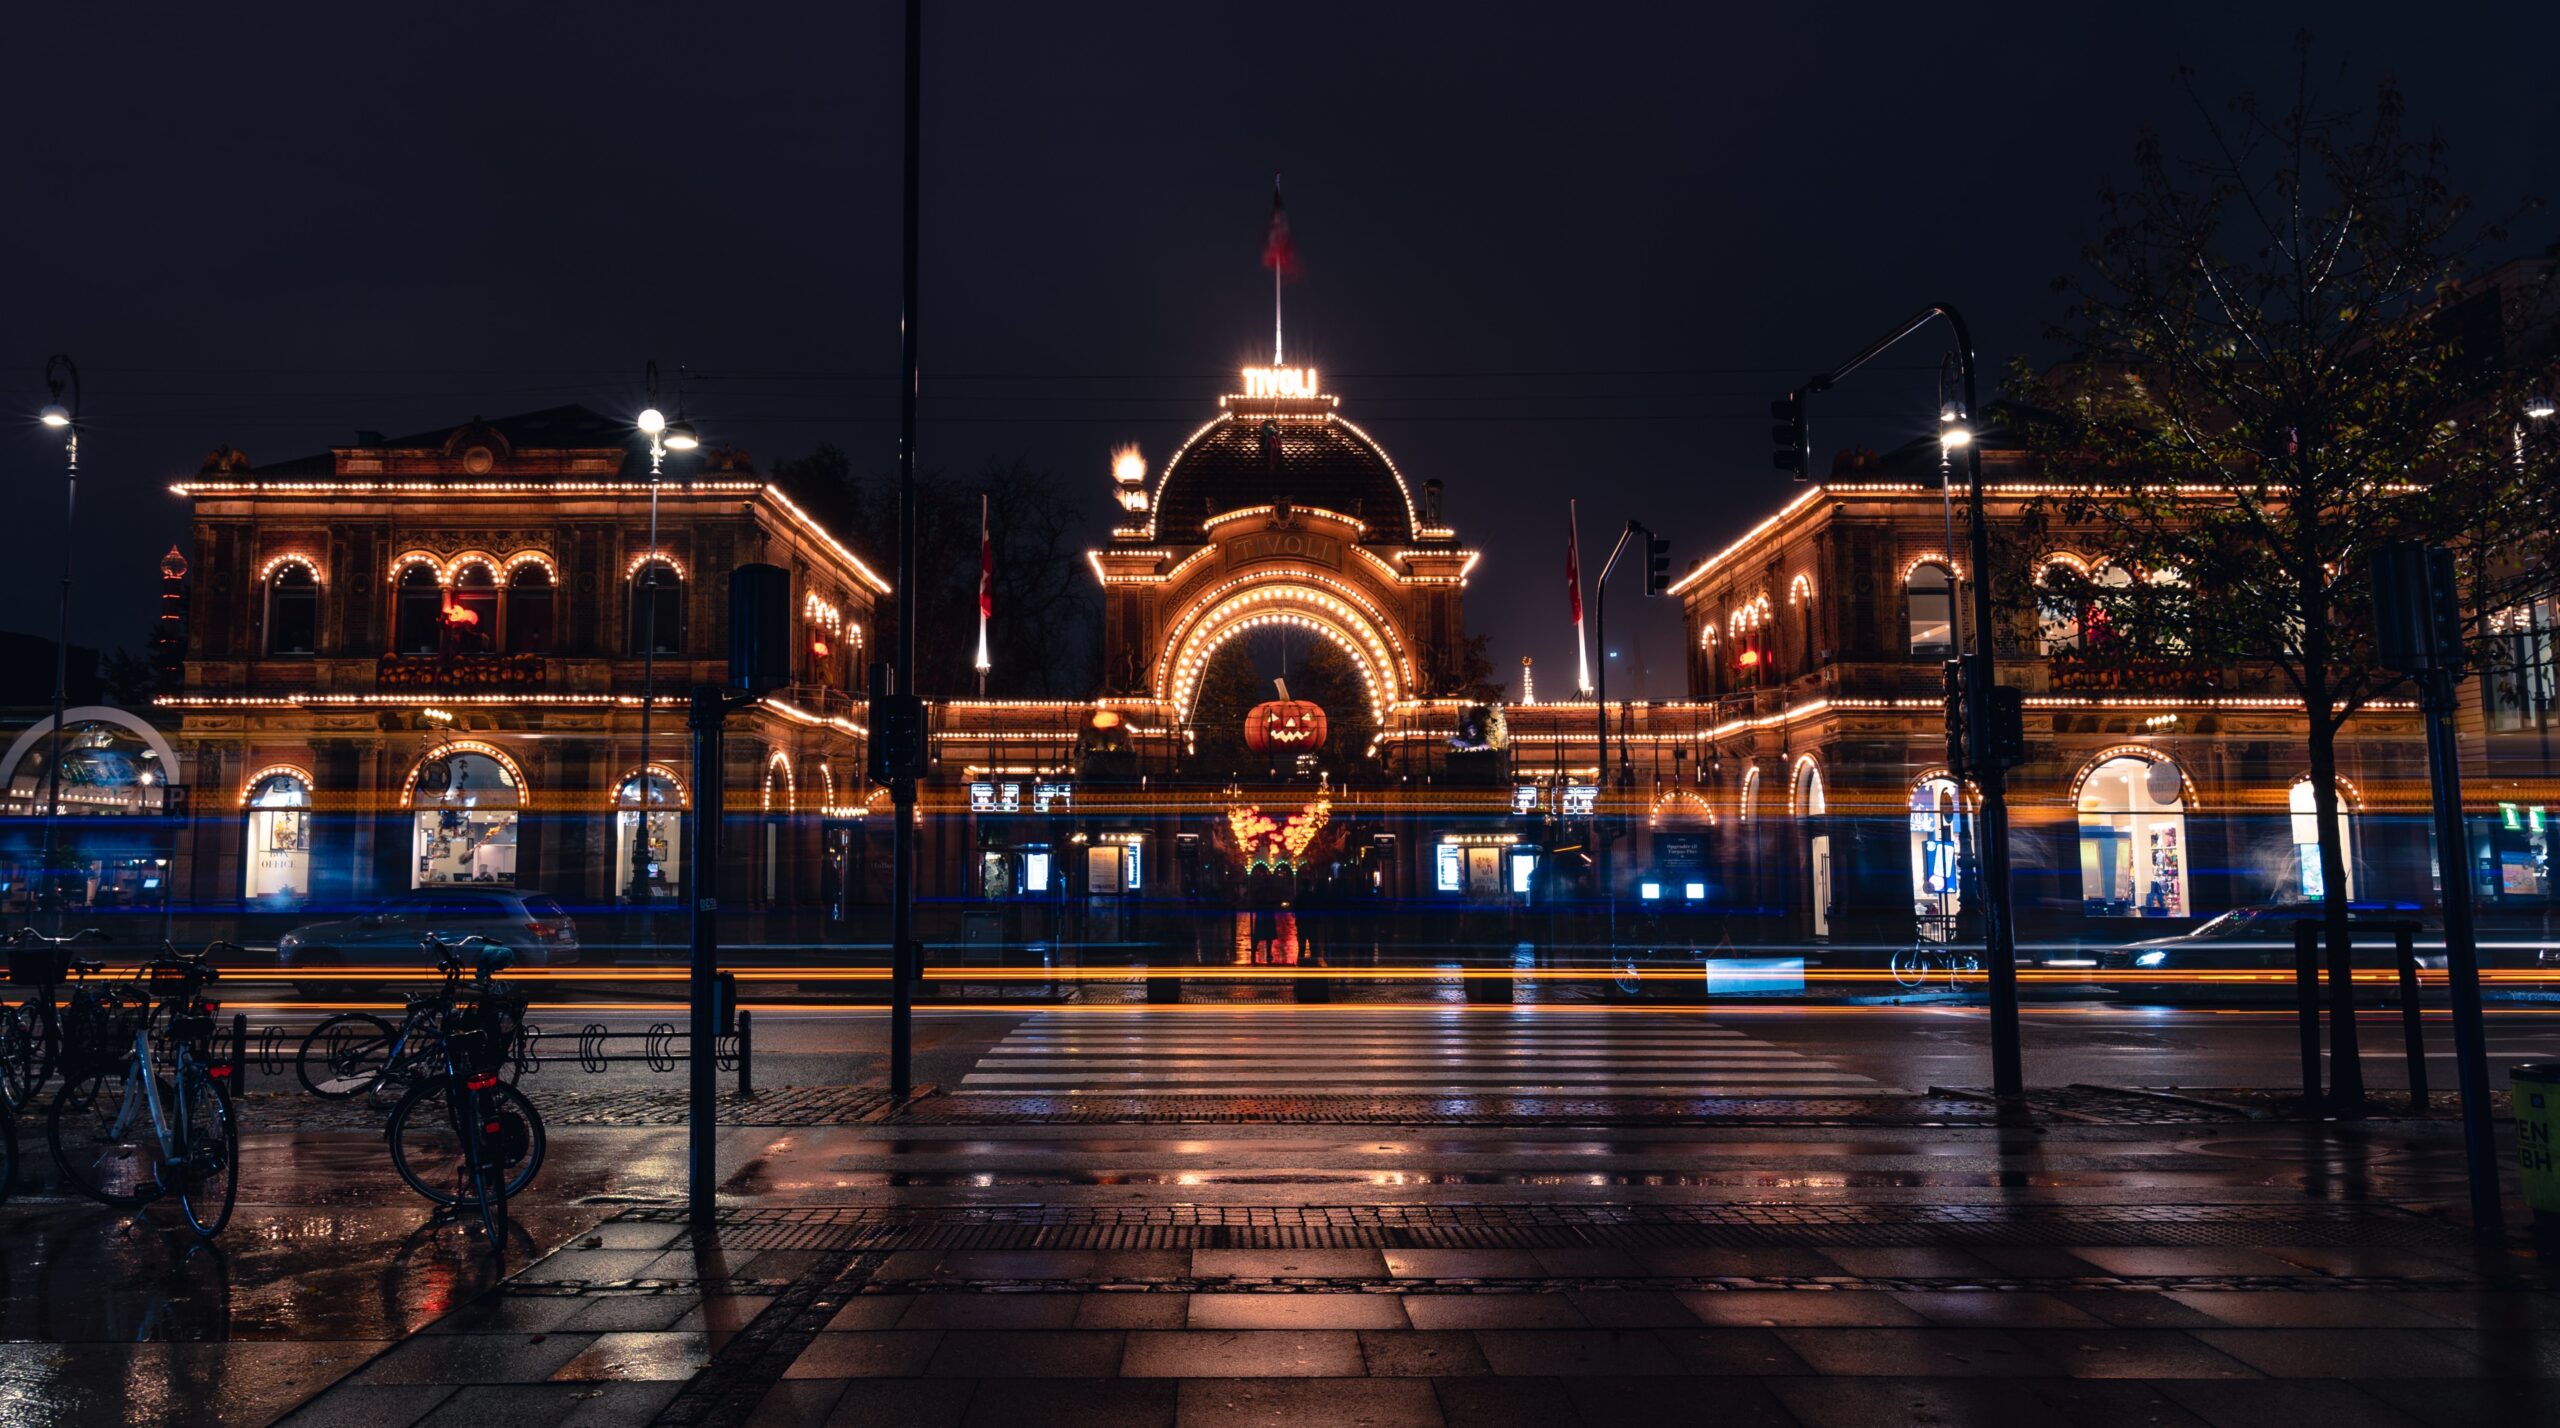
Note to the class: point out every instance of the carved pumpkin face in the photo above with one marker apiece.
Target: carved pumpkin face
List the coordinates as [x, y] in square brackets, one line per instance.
[1285, 726]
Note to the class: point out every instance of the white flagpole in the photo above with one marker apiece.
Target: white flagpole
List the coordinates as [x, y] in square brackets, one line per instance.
[983, 662]
[1581, 647]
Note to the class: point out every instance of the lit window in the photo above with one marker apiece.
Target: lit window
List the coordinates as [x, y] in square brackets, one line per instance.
[1931, 591]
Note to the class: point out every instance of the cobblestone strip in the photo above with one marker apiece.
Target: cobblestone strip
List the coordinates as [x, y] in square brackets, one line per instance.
[1465, 1226]
[739, 1376]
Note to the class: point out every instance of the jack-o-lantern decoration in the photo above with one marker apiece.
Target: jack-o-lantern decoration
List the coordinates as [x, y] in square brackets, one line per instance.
[1284, 725]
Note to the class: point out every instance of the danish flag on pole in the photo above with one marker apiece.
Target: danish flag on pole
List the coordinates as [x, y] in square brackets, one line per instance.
[1573, 588]
[986, 585]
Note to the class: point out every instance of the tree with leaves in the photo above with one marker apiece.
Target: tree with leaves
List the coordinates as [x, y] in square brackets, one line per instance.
[2267, 387]
[1045, 636]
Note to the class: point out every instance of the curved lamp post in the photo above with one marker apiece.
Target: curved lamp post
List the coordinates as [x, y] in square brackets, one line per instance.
[664, 436]
[60, 371]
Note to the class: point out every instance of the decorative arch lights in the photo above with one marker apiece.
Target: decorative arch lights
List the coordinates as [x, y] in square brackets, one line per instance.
[1747, 626]
[666, 787]
[290, 558]
[780, 761]
[1800, 591]
[1680, 803]
[1297, 599]
[524, 558]
[275, 833]
[403, 564]
[642, 559]
[1750, 801]
[1805, 797]
[1933, 557]
[2133, 804]
[464, 798]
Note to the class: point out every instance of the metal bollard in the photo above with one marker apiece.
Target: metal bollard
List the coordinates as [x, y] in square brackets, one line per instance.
[239, 1052]
[2306, 990]
[2404, 940]
[746, 1052]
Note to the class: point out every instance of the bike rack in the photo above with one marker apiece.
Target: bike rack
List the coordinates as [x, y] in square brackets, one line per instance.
[663, 1048]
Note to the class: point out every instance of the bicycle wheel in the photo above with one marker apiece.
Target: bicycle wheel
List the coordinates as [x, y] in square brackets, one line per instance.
[1961, 966]
[344, 1055]
[21, 1052]
[209, 1146]
[1911, 967]
[101, 1132]
[428, 1143]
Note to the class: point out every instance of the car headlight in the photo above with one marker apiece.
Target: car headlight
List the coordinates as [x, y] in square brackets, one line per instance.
[2151, 959]
[289, 941]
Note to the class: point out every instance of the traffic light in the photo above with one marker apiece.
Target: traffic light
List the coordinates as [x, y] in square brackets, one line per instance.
[897, 737]
[1795, 446]
[2006, 734]
[2417, 608]
[1954, 675]
[1657, 564]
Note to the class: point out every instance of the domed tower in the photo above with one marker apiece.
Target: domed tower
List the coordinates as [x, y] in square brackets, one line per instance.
[1280, 512]
[169, 634]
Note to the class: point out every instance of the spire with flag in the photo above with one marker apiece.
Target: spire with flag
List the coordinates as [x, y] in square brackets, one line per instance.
[1573, 588]
[986, 592]
[1280, 255]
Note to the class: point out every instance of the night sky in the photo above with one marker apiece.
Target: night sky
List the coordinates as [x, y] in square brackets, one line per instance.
[1548, 250]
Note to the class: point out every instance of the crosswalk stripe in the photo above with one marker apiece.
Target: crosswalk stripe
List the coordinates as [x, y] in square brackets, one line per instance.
[1430, 1050]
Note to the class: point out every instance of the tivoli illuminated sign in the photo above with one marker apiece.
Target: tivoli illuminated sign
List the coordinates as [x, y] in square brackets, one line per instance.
[1280, 382]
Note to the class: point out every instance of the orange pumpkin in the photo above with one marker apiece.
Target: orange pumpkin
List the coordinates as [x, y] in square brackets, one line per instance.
[1284, 726]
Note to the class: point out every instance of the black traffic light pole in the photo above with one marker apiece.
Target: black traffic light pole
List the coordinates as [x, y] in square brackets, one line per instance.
[759, 661]
[2418, 627]
[905, 957]
[1999, 932]
[1657, 579]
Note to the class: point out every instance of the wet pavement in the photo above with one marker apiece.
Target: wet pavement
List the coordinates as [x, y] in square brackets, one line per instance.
[1063, 1256]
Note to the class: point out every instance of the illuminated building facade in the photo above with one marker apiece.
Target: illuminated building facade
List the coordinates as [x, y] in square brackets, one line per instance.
[420, 663]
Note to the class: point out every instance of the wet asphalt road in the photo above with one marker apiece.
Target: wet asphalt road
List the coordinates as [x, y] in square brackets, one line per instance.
[109, 1318]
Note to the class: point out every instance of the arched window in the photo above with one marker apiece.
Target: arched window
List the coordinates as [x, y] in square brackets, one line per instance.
[2133, 838]
[648, 836]
[2058, 609]
[1936, 894]
[2098, 622]
[275, 856]
[1810, 806]
[2305, 820]
[418, 612]
[657, 609]
[1931, 592]
[474, 612]
[529, 609]
[1750, 801]
[293, 610]
[463, 807]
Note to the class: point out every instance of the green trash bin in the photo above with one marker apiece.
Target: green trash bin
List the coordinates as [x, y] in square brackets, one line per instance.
[2536, 1088]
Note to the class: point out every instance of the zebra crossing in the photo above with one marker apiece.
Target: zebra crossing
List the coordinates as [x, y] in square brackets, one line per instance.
[1394, 1051]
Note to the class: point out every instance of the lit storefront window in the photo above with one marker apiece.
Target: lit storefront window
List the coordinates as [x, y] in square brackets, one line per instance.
[464, 815]
[1936, 896]
[2133, 839]
[2305, 818]
[659, 825]
[276, 856]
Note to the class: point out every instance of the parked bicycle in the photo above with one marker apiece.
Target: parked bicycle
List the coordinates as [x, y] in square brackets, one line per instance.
[154, 1118]
[360, 1054]
[31, 1031]
[460, 1135]
[1915, 966]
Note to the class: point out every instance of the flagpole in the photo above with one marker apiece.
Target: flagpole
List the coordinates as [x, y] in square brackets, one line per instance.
[1581, 646]
[986, 580]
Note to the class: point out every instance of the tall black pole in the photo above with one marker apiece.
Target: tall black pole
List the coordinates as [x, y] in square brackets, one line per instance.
[709, 712]
[2461, 951]
[904, 961]
[57, 370]
[1999, 931]
[1602, 832]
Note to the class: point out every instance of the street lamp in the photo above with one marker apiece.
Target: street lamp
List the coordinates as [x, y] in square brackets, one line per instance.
[1953, 434]
[664, 436]
[59, 371]
[2538, 406]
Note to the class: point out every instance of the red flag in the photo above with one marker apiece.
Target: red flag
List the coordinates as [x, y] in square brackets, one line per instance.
[1279, 254]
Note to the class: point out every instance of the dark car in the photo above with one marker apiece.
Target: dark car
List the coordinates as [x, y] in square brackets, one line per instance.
[2249, 952]
[532, 924]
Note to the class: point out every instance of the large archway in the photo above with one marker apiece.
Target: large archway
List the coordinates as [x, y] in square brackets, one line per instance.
[1288, 602]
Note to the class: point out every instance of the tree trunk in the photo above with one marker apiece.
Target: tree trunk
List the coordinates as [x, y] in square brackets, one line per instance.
[2346, 1067]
